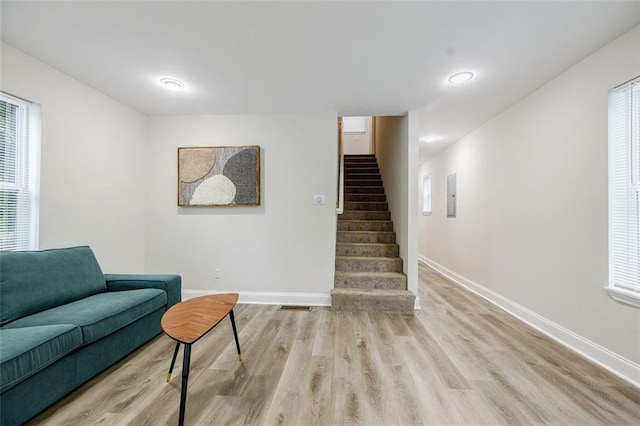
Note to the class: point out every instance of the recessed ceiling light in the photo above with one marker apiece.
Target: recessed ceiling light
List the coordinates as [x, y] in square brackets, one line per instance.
[430, 139]
[461, 77]
[172, 84]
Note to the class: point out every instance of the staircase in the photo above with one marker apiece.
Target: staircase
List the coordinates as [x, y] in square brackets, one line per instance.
[369, 273]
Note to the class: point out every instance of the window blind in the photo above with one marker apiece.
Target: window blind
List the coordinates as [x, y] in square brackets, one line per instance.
[624, 187]
[18, 179]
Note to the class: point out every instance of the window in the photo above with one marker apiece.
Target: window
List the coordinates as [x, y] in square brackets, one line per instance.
[354, 125]
[19, 173]
[426, 194]
[624, 193]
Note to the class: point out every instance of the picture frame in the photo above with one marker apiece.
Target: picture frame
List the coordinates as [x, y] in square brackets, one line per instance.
[219, 176]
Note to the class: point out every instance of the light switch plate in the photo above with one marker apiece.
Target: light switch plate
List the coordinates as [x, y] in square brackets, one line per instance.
[319, 200]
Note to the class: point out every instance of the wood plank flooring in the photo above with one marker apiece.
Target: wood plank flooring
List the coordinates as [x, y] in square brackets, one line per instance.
[458, 361]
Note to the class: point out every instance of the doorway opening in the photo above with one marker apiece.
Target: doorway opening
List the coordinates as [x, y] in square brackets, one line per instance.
[358, 135]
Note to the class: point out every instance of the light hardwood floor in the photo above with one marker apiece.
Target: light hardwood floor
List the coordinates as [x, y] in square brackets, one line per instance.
[458, 361]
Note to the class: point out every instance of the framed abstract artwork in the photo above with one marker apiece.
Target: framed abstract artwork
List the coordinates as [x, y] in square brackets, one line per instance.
[211, 176]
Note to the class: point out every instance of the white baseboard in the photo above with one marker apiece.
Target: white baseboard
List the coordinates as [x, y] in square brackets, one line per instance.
[268, 298]
[274, 298]
[618, 365]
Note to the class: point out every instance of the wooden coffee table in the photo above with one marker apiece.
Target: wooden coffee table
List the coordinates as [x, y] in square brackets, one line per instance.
[186, 322]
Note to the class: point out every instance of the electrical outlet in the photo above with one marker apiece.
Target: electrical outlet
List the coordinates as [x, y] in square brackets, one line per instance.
[216, 274]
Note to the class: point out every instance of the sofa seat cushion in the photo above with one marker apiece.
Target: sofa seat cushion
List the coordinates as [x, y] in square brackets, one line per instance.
[101, 314]
[25, 351]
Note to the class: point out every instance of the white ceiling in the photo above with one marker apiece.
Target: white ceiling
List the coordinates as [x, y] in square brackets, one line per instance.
[356, 58]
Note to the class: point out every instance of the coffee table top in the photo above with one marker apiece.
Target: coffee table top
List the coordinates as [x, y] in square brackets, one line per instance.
[191, 319]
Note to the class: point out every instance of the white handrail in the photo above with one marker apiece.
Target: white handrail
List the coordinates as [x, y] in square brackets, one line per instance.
[340, 208]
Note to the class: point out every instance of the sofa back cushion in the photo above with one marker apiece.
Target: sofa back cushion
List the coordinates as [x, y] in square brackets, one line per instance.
[32, 281]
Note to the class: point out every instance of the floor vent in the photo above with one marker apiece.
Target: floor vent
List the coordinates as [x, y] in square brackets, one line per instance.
[294, 308]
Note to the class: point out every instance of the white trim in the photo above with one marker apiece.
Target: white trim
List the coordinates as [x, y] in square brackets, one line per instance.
[340, 208]
[26, 182]
[272, 298]
[35, 147]
[416, 304]
[268, 298]
[624, 296]
[618, 365]
[412, 121]
[623, 103]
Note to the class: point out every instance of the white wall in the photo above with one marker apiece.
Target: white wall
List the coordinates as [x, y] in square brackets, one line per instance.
[397, 154]
[531, 226]
[358, 143]
[267, 253]
[93, 164]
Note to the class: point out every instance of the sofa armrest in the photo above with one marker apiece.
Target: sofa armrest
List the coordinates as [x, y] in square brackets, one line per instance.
[172, 284]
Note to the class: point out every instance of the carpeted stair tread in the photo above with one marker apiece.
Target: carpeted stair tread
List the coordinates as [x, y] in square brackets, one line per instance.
[368, 263]
[357, 165]
[372, 300]
[369, 274]
[368, 249]
[364, 190]
[365, 205]
[365, 214]
[366, 237]
[363, 172]
[363, 182]
[368, 270]
[381, 198]
[365, 225]
[375, 292]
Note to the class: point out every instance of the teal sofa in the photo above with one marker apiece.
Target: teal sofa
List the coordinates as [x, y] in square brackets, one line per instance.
[62, 321]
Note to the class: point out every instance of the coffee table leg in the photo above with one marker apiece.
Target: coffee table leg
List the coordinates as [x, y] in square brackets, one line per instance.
[185, 379]
[173, 361]
[235, 334]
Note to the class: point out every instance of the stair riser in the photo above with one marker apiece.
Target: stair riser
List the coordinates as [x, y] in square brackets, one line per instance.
[361, 170]
[363, 190]
[346, 249]
[357, 159]
[363, 182]
[369, 303]
[380, 198]
[366, 254]
[366, 237]
[367, 283]
[361, 166]
[362, 176]
[365, 225]
[365, 215]
[371, 284]
[371, 170]
[365, 206]
[369, 265]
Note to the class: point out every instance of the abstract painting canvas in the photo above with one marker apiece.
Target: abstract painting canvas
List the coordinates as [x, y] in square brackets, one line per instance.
[219, 176]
